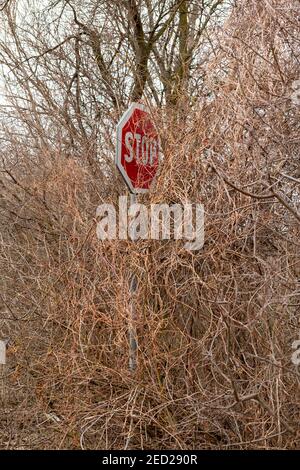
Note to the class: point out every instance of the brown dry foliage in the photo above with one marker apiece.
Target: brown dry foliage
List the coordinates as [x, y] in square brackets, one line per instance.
[215, 327]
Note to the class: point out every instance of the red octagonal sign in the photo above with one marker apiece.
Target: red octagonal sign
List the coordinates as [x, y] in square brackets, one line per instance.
[138, 148]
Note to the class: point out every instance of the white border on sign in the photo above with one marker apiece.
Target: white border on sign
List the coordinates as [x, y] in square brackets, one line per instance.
[119, 128]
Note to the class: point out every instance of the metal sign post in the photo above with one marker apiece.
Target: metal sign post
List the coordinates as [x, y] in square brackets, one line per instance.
[132, 330]
[137, 158]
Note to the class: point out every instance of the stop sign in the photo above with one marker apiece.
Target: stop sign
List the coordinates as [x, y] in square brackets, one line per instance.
[138, 148]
